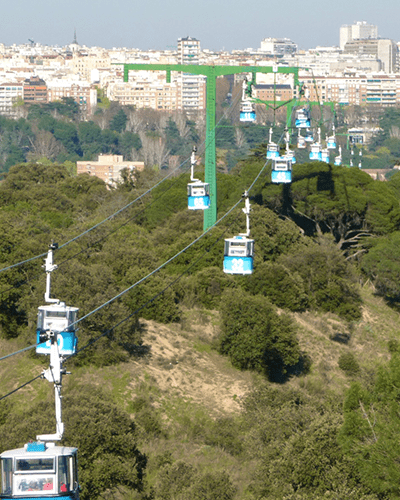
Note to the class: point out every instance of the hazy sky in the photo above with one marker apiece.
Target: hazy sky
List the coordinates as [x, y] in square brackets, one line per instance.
[218, 24]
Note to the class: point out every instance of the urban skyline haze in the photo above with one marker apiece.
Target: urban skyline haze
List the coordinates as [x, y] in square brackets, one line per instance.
[219, 25]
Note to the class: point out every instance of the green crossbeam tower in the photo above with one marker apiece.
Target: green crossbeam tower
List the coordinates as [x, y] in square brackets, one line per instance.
[211, 72]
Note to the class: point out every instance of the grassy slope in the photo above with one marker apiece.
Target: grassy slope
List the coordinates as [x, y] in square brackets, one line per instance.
[190, 385]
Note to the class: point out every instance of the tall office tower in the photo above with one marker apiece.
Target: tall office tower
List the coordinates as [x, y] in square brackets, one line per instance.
[192, 94]
[360, 30]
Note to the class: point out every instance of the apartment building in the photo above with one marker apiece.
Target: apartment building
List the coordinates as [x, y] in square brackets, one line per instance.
[108, 168]
[83, 93]
[35, 90]
[270, 92]
[83, 63]
[192, 88]
[360, 30]
[145, 94]
[341, 90]
[278, 46]
[10, 93]
[384, 50]
[356, 90]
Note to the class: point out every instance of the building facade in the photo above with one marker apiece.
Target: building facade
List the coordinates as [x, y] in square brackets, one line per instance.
[360, 30]
[191, 87]
[82, 93]
[155, 95]
[278, 46]
[108, 168]
[10, 94]
[385, 50]
[35, 91]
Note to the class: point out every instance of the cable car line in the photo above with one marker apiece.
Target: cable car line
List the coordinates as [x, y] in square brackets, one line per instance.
[118, 211]
[138, 282]
[127, 317]
[159, 267]
[140, 308]
[20, 387]
[143, 306]
[19, 352]
[96, 225]
[154, 271]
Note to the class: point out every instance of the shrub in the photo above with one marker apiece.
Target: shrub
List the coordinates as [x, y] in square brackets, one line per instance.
[283, 288]
[254, 336]
[349, 364]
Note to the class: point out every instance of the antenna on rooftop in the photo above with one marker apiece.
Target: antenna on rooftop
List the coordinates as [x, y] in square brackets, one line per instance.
[75, 41]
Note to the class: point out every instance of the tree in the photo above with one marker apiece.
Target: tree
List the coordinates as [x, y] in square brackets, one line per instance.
[382, 264]
[284, 288]
[347, 203]
[254, 336]
[118, 121]
[328, 279]
[370, 429]
[46, 145]
[105, 435]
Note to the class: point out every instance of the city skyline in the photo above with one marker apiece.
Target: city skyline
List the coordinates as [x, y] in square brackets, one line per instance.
[218, 25]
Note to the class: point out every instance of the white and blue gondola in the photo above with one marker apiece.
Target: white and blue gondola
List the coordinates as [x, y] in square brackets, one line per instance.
[238, 255]
[315, 151]
[331, 142]
[198, 195]
[325, 156]
[57, 318]
[272, 151]
[338, 161]
[303, 118]
[247, 112]
[281, 170]
[39, 471]
[198, 191]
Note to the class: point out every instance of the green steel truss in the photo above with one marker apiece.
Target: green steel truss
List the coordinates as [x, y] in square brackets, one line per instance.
[211, 72]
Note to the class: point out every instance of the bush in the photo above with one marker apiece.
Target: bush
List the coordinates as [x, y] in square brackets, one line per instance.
[254, 336]
[393, 346]
[283, 288]
[181, 481]
[328, 279]
[209, 284]
[349, 364]
[105, 434]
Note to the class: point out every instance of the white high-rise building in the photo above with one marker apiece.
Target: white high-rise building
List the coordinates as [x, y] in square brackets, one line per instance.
[360, 30]
[278, 46]
[192, 86]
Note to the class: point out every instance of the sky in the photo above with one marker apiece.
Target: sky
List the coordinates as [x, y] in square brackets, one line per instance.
[218, 24]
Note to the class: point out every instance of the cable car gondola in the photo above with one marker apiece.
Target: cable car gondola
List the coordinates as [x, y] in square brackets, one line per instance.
[301, 142]
[303, 118]
[331, 140]
[247, 111]
[309, 136]
[198, 191]
[316, 149]
[325, 157]
[56, 317]
[239, 250]
[281, 170]
[40, 471]
[289, 153]
[338, 159]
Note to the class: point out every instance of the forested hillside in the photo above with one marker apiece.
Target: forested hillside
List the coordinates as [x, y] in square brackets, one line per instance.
[194, 384]
[58, 132]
